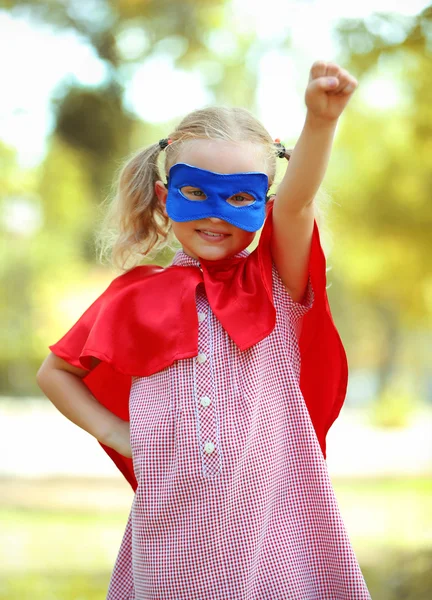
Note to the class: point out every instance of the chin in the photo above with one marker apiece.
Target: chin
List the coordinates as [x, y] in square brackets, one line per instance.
[214, 253]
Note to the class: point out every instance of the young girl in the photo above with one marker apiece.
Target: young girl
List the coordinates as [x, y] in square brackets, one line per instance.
[212, 383]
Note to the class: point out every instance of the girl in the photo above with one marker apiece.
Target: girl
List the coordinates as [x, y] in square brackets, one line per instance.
[212, 383]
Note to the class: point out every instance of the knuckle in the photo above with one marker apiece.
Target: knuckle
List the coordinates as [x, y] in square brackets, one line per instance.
[318, 64]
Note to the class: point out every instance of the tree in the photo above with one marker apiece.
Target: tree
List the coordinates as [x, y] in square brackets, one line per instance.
[94, 131]
[384, 169]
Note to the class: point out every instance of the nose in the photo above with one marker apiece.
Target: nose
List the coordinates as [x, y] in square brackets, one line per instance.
[215, 220]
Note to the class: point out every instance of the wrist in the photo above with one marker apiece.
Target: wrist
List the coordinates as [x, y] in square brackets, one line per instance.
[109, 435]
[315, 122]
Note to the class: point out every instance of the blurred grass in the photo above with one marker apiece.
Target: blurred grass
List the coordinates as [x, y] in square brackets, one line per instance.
[383, 514]
[42, 539]
[55, 586]
[49, 554]
[58, 553]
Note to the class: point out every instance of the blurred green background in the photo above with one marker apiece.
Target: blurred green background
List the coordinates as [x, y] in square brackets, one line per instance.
[85, 84]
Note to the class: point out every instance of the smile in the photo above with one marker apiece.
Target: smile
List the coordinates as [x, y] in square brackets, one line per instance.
[211, 235]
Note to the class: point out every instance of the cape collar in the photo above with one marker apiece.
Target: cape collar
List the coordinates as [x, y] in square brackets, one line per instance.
[181, 259]
[132, 336]
[238, 293]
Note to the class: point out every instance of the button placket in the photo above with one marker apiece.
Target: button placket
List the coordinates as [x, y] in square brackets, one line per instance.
[206, 415]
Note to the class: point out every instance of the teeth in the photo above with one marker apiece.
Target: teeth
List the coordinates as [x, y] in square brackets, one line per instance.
[213, 234]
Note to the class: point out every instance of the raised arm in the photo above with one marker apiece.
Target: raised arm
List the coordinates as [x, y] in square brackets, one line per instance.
[328, 92]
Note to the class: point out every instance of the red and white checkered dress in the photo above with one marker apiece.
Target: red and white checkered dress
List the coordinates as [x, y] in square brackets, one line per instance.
[234, 500]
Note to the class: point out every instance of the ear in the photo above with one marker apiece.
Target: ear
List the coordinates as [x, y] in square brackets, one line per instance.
[161, 193]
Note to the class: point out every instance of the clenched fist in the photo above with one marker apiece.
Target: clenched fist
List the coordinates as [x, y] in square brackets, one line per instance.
[329, 90]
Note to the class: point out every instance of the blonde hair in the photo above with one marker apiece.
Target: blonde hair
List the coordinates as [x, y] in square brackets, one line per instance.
[135, 225]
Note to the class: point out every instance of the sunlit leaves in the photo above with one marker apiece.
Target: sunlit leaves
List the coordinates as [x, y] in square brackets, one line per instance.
[382, 162]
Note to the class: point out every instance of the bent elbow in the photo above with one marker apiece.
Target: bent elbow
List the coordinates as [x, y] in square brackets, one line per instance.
[41, 375]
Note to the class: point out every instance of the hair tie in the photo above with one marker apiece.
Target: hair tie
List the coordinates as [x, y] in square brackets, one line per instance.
[164, 143]
[280, 148]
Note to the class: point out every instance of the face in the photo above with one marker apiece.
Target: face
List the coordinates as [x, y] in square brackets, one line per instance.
[213, 238]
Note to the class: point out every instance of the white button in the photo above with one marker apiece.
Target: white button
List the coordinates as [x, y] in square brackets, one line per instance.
[209, 448]
[201, 358]
[201, 317]
[205, 401]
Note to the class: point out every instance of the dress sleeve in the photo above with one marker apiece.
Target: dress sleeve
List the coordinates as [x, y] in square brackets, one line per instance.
[293, 310]
[296, 309]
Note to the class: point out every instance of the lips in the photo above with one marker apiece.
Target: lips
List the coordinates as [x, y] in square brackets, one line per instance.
[211, 235]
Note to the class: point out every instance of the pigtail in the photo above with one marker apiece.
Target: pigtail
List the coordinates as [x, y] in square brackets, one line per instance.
[135, 223]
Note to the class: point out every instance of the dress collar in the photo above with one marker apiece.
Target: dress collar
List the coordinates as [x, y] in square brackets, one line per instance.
[181, 259]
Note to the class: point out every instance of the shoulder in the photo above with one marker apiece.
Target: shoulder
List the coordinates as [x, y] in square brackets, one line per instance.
[140, 273]
[136, 274]
[150, 278]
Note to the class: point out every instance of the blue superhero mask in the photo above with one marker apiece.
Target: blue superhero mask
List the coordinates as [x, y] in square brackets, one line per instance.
[220, 196]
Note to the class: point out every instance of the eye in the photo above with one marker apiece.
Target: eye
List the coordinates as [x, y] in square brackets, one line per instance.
[193, 193]
[241, 199]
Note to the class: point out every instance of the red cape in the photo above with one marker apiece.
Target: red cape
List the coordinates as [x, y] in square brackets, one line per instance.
[146, 320]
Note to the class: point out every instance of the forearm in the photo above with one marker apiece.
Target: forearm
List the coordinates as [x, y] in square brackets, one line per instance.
[307, 165]
[72, 398]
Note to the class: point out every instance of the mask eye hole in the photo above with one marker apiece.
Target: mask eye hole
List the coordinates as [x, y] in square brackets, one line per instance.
[241, 199]
[193, 193]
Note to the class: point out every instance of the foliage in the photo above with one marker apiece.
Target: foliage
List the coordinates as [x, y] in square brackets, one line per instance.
[389, 149]
[379, 174]
[394, 407]
[93, 132]
[381, 162]
[384, 165]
